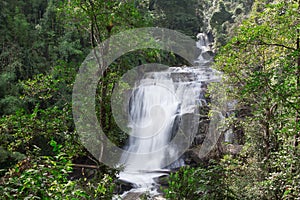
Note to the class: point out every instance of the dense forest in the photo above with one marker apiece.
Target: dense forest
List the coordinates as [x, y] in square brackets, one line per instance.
[44, 42]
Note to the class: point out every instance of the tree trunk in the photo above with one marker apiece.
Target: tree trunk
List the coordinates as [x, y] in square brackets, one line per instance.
[297, 135]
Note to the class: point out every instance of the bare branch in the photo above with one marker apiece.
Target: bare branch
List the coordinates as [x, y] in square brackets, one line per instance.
[273, 44]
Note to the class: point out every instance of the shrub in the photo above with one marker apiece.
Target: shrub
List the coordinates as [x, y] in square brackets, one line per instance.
[198, 183]
[40, 178]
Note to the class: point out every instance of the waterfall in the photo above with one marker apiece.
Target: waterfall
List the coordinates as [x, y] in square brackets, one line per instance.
[157, 104]
[153, 110]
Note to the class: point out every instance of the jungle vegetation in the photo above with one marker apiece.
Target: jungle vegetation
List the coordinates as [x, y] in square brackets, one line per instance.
[44, 42]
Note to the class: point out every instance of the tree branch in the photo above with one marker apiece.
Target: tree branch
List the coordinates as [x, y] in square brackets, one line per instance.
[273, 44]
[85, 166]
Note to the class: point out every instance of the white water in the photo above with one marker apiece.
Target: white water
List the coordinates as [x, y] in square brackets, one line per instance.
[152, 115]
[157, 103]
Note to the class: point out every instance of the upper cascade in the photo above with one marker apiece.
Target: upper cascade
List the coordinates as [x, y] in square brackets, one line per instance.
[205, 45]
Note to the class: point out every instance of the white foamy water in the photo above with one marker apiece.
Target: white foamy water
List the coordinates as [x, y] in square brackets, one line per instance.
[157, 103]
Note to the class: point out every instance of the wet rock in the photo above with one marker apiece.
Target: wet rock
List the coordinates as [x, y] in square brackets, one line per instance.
[162, 180]
[207, 55]
[133, 196]
[159, 197]
[210, 37]
[183, 76]
[141, 196]
[123, 186]
[197, 52]
[192, 155]
[198, 139]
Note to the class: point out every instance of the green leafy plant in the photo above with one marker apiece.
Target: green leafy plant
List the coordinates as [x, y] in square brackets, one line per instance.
[198, 183]
[261, 68]
[40, 178]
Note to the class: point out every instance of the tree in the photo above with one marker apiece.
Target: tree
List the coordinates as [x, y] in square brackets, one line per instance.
[261, 66]
[33, 40]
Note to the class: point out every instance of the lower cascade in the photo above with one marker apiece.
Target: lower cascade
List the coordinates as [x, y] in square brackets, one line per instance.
[157, 105]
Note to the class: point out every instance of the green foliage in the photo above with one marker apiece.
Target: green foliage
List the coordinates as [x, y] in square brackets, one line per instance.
[40, 178]
[8, 159]
[88, 15]
[95, 189]
[48, 116]
[43, 44]
[21, 132]
[198, 183]
[223, 16]
[9, 102]
[247, 179]
[34, 38]
[51, 89]
[48, 177]
[180, 15]
[261, 68]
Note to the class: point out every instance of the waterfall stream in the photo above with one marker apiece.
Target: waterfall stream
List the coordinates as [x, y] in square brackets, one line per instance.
[156, 106]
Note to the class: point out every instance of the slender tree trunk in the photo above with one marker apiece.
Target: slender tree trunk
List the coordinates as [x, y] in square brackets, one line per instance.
[297, 136]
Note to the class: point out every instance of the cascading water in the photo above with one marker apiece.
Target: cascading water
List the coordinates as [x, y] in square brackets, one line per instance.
[157, 103]
[153, 110]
